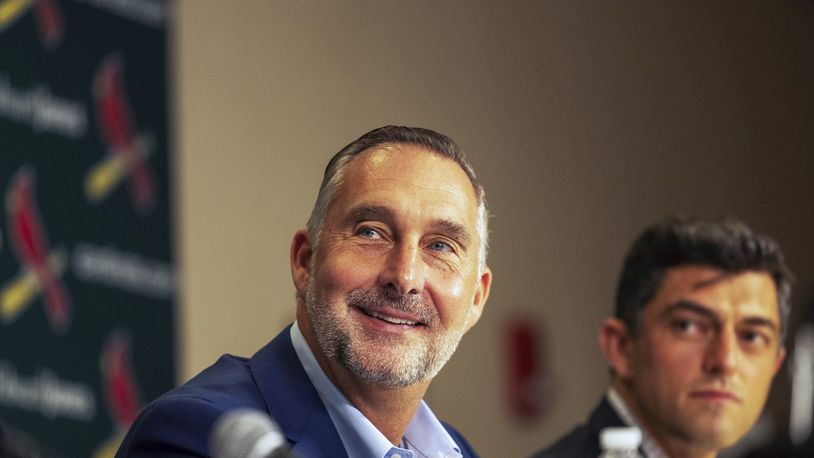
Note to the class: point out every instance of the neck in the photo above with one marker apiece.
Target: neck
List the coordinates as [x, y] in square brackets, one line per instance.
[673, 446]
[389, 409]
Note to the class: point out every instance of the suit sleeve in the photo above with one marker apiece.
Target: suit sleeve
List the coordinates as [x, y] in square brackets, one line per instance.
[171, 427]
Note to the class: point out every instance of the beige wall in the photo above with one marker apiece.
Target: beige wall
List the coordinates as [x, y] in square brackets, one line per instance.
[585, 119]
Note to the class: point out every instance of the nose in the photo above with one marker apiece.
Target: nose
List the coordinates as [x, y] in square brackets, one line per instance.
[722, 353]
[403, 272]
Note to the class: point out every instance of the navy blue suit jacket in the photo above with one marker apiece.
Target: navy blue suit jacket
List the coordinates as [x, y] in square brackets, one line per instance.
[273, 381]
[583, 441]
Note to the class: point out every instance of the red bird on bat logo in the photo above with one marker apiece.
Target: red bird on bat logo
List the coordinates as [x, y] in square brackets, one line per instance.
[127, 151]
[121, 390]
[40, 269]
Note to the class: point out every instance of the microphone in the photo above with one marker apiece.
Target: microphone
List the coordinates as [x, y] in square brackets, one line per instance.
[247, 433]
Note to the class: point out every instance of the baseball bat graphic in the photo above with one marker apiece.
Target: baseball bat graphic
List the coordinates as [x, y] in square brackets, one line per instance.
[108, 173]
[10, 10]
[110, 446]
[126, 152]
[18, 293]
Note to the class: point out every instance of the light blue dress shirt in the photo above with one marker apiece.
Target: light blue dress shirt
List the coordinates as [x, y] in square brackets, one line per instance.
[425, 436]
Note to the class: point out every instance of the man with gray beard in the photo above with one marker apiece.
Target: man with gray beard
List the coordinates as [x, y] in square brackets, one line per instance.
[390, 273]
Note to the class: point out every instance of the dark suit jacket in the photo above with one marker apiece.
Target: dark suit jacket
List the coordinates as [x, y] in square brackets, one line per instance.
[583, 441]
[273, 381]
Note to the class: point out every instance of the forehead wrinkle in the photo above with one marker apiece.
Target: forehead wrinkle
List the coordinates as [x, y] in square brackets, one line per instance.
[452, 190]
[374, 164]
[711, 281]
[724, 276]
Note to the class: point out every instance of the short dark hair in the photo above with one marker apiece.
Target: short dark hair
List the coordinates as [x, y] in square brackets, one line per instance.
[433, 141]
[723, 242]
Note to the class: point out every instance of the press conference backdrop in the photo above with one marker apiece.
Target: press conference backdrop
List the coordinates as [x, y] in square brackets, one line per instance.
[87, 284]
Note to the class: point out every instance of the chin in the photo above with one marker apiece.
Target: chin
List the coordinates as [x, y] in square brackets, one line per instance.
[717, 436]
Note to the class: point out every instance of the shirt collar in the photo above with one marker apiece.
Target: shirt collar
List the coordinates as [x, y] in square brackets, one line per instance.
[650, 447]
[425, 436]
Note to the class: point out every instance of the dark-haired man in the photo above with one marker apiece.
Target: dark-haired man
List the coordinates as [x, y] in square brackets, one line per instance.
[390, 274]
[701, 313]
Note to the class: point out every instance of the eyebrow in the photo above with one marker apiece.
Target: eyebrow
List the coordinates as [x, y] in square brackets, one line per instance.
[368, 212]
[684, 305]
[455, 231]
[447, 227]
[694, 307]
[760, 321]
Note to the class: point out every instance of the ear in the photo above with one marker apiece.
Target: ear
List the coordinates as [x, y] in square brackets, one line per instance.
[781, 356]
[301, 253]
[616, 344]
[479, 299]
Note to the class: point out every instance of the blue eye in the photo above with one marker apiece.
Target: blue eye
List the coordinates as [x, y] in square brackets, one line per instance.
[440, 246]
[368, 232]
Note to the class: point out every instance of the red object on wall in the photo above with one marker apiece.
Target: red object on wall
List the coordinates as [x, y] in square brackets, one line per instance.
[525, 371]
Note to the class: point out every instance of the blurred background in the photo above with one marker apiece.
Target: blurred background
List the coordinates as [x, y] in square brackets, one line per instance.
[586, 120]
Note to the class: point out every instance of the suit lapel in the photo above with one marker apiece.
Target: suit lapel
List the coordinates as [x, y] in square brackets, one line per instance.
[292, 401]
[604, 416]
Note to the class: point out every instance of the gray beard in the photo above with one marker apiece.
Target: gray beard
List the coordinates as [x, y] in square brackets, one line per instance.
[381, 359]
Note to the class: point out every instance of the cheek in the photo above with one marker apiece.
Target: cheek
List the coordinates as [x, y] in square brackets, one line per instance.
[451, 286]
[453, 297]
[341, 276]
[660, 377]
[759, 376]
[672, 361]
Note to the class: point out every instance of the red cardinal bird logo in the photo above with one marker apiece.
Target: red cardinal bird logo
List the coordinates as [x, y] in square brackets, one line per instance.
[119, 381]
[48, 15]
[121, 390]
[127, 152]
[40, 269]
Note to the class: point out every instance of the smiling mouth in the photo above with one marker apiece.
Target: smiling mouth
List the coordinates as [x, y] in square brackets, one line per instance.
[389, 318]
